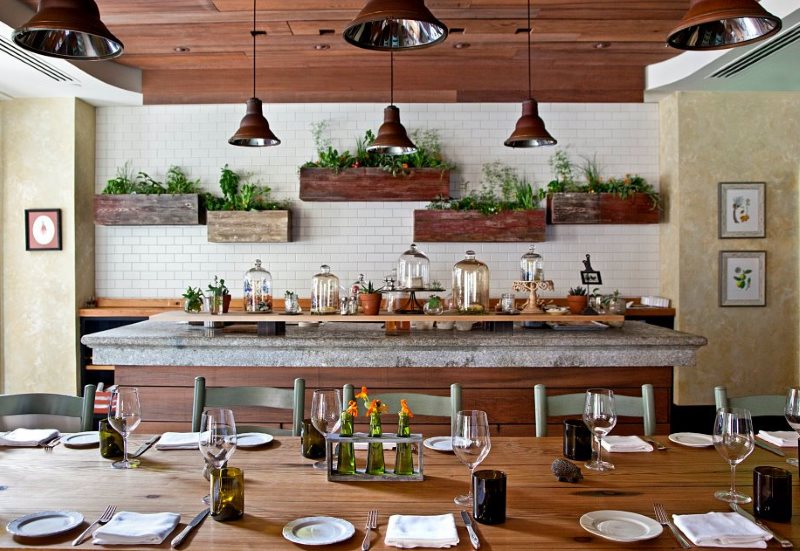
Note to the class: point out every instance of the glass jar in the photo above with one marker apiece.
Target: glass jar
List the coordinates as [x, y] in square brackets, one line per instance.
[471, 285]
[257, 289]
[532, 265]
[355, 288]
[413, 269]
[325, 292]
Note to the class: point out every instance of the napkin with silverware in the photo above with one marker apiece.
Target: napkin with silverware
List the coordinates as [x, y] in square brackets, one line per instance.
[127, 528]
[722, 530]
[178, 441]
[625, 444]
[408, 531]
[782, 438]
[29, 438]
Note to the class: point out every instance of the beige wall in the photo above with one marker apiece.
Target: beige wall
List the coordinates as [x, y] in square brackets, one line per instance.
[48, 158]
[707, 138]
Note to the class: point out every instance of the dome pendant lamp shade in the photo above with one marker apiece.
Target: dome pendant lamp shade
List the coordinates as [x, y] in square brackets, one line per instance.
[392, 138]
[395, 25]
[68, 29]
[530, 130]
[254, 129]
[722, 24]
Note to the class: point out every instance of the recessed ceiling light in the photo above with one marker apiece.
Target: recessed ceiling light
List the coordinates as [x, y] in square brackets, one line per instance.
[602, 45]
[182, 49]
[461, 45]
[322, 46]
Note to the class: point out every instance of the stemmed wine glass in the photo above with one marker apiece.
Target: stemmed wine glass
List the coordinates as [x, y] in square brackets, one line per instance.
[217, 438]
[792, 413]
[125, 414]
[471, 444]
[734, 440]
[326, 414]
[599, 414]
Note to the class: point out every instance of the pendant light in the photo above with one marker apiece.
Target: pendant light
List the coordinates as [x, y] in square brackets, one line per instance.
[395, 25]
[68, 29]
[722, 24]
[392, 138]
[254, 129]
[530, 130]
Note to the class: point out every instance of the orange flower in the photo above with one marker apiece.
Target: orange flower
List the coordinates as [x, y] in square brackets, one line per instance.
[377, 407]
[352, 408]
[404, 410]
[363, 393]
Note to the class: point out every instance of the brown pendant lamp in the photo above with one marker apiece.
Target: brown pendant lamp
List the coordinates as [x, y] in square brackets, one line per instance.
[392, 138]
[395, 25]
[722, 24]
[530, 130]
[254, 129]
[69, 29]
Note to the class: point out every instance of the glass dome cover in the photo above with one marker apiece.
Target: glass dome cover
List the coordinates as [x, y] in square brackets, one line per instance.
[257, 289]
[471, 285]
[325, 292]
[413, 269]
[532, 265]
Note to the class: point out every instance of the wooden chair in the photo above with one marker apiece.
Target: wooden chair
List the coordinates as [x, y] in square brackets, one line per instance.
[224, 397]
[759, 406]
[572, 404]
[421, 404]
[71, 412]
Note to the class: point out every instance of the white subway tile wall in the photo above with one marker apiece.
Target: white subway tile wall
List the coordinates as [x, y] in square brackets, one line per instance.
[365, 237]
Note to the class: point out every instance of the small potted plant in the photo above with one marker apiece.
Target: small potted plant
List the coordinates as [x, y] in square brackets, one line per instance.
[193, 302]
[434, 306]
[221, 296]
[577, 299]
[370, 299]
[291, 303]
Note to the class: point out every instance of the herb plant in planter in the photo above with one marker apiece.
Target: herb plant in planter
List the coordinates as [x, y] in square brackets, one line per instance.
[220, 295]
[193, 302]
[577, 299]
[370, 299]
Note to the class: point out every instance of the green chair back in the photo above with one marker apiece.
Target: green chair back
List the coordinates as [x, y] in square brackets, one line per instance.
[60, 405]
[759, 406]
[421, 404]
[572, 404]
[247, 396]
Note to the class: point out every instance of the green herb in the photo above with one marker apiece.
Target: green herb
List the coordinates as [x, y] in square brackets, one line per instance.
[126, 183]
[217, 287]
[577, 291]
[178, 183]
[434, 302]
[194, 299]
[241, 197]
[369, 289]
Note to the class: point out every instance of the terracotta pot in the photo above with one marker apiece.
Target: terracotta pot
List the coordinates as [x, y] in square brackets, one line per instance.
[370, 303]
[226, 303]
[576, 303]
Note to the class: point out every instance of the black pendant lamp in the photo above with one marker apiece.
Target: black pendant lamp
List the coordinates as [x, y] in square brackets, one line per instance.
[254, 129]
[722, 24]
[392, 138]
[68, 29]
[395, 25]
[530, 130]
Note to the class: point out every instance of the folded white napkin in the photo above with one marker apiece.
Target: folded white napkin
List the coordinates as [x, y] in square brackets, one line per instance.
[722, 530]
[27, 437]
[421, 531]
[365, 445]
[625, 444]
[178, 441]
[127, 528]
[782, 438]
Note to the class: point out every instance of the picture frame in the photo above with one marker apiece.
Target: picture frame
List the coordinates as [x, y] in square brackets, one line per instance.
[742, 278]
[591, 277]
[42, 229]
[742, 208]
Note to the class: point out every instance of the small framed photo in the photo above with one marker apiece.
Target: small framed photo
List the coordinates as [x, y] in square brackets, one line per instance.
[742, 278]
[42, 229]
[591, 278]
[741, 210]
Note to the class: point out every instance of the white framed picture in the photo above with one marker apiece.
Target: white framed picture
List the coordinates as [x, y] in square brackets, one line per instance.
[741, 210]
[742, 278]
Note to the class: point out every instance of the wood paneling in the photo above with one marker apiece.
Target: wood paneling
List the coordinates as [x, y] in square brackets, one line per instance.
[601, 208]
[373, 184]
[473, 226]
[149, 210]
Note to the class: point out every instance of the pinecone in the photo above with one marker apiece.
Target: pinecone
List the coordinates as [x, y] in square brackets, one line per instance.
[566, 471]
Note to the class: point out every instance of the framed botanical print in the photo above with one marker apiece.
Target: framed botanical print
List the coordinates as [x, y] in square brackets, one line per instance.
[741, 210]
[42, 229]
[742, 278]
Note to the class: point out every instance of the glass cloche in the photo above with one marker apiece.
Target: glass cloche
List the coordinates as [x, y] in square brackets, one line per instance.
[413, 269]
[532, 265]
[325, 292]
[471, 285]
[257, 289]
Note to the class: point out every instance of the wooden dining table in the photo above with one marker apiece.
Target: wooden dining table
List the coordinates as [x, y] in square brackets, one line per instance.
[281, 485]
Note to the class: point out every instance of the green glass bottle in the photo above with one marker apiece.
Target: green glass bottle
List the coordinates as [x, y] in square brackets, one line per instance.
[403, 463]
[375, 463]
[346, 458]
[111, 443]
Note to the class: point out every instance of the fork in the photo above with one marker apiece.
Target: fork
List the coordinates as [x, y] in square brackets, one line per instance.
[372, 523]
[656, 444]
[105, 517]
[663, 519]
[48, 447]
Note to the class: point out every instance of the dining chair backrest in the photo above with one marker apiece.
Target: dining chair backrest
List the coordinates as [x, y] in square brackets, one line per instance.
[572, 404]
[42, 410]
[251, 396]
[420, 404]
[759, 406]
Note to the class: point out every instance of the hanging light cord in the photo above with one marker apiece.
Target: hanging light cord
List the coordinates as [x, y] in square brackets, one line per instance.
[391, 77]
[530, 30]
[254, 47]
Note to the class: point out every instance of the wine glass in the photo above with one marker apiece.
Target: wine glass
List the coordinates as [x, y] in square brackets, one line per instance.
[734, 440]
[125, 414]
[471, 444]
[792, 413]
[217, 438]
[599, 414]
[326, 414]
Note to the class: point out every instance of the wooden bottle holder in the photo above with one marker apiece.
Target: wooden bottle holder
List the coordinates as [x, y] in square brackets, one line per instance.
[361, 476]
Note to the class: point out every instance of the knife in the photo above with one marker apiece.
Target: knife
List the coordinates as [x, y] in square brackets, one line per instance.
[473, 537]
[769, 448]
[786, 544]
[146, 446]
[177, 540]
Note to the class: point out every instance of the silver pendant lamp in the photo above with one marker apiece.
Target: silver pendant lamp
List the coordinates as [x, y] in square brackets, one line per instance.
[530, 130]
[722, 24]
[395, 25]
[392, 138]
[254, 129]
[68, 29]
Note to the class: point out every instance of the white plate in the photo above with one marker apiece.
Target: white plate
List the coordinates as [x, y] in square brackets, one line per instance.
[253, 439]
[45, 523]
[318, 530]
[82, 439]
[620, 525]
[439, 443]
[692, 439]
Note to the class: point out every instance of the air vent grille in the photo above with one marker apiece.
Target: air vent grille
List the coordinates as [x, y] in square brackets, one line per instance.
[8, 47]
[757, 54]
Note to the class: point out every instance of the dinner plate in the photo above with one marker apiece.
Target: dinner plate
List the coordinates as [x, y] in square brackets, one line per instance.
[621, 526]
[692, 439]
[45, 523]
[253, 439]
[439, 444]
[82, 439]
[318, 530]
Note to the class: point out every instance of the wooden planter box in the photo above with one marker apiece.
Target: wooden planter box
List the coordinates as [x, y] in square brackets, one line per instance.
[472, 226]
[373, 184]
[149, 210]
[266, 226]
[600, 208]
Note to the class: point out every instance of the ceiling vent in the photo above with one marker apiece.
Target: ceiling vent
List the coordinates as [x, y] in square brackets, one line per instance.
[33, 61]
[755, 55]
